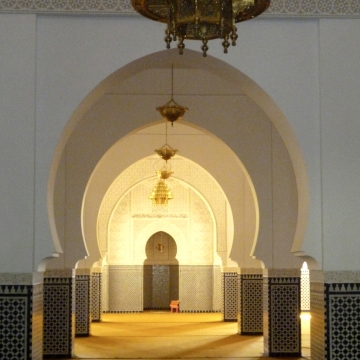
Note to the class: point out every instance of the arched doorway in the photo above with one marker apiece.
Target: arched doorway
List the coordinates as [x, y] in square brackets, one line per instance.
[253, 128]
[161, 272]
[262, 144]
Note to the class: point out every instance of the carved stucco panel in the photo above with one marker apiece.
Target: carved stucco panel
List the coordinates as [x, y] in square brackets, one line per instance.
[278, 8]
[142, 173]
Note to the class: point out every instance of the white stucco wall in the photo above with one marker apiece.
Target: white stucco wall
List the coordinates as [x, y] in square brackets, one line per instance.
[17, 142]
[50, 63]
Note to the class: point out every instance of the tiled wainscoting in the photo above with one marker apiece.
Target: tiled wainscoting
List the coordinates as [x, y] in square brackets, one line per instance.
[95, 295]
[59, 313]
[230, 294]
[20, 316]
[200, 288]
[335, 308]
[133, 288]
[250, 301]
[282, 332]
[125, 288]
[82, 302]
[161, 285]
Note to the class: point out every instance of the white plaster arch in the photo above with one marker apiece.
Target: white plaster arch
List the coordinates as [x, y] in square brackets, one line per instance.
[99, 115]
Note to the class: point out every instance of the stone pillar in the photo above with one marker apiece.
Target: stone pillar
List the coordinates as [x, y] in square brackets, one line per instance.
[59, 313]
[21, 303]
[95, 295]
[230, 294]
[82, 302]
[282, 327]
[335, 315]
[250, 301]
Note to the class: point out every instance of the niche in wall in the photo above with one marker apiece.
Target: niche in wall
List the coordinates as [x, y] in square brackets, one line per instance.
[161, 272]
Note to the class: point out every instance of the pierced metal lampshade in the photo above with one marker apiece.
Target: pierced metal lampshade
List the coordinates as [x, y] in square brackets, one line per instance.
[172, 111]
[166, 152]
[200, 19]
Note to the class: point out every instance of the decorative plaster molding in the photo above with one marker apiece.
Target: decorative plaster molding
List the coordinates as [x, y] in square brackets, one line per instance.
[339, 277]
[79, 272]
[21, 278]
[314, 8]
[281, 273]
[151, 216]
[250, 271]
[278, 8]
[125, 268]
[229, 269]
[59, 273]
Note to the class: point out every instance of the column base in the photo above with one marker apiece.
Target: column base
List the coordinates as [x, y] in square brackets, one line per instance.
[95, 295]
[282, 325]
[59, 313]
[250, 300]
[230, 294]
[21, 301]
[82, 303]
[335, 315]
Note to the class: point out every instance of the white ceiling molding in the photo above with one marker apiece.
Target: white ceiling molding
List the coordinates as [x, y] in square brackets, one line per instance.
[278, 8]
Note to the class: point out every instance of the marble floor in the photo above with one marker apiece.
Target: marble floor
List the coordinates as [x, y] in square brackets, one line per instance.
[165, 335]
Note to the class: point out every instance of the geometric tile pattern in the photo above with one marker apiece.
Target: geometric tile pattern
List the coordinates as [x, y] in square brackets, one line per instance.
[266, 316]
[147, 285]
[58, 317]
[82, 305]
[294, 8]
[15, 322]
[317, 300]
[230, 291]
[251, 304]
[321, 8]
[37, 320]
[305, 290]
[217, 292]
[125, 288]
[343, 319]
[284, 333]
[95, 299]
[161, 285]
[196, 288]
[130, 287]
[174, 282]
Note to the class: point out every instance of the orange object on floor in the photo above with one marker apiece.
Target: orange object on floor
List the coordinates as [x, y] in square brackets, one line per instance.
[174, 306]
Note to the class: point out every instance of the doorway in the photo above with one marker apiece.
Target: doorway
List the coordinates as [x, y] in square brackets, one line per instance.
[161, 272]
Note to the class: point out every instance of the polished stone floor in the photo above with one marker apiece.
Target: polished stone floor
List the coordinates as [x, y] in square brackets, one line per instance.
[165, 335]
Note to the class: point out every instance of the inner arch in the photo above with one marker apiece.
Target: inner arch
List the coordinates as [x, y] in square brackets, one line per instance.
[221, 100]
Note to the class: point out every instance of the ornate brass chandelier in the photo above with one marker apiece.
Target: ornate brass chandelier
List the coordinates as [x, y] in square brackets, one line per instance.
[161, 194]
[200, 19]
[171, 112]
